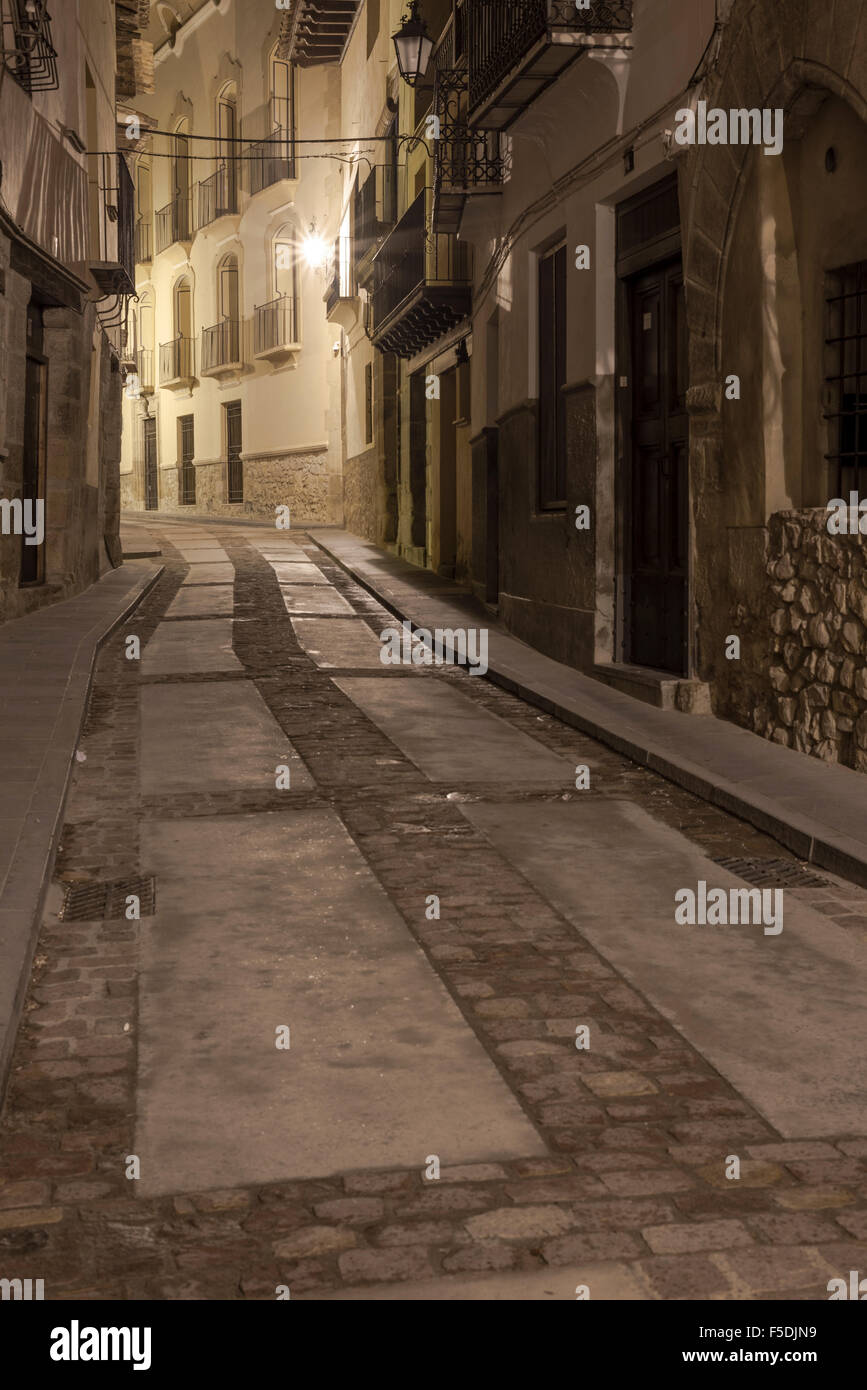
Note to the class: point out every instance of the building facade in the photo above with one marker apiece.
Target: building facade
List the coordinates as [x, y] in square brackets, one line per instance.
[233, 399]
[66, 269]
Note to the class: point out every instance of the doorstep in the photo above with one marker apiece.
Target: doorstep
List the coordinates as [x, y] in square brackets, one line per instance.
[815, 809]
[655, 687]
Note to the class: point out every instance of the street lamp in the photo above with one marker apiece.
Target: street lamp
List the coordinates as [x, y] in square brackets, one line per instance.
[413, 45]
[314, 248]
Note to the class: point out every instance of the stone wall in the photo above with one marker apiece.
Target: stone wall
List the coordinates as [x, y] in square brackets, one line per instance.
[309, 484]
[810, 692]
[360, 494]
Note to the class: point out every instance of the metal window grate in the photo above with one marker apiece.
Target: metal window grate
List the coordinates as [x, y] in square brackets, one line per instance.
[90, 902]
[773, 873]
[846, 348]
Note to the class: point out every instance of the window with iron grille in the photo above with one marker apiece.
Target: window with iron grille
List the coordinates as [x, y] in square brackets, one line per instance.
[368, 403]
[28, 53]
[846, 379]
[552, 379]
[235, 466]
[188, 471]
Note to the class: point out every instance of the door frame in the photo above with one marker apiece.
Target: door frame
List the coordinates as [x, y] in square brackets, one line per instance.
[36, 355]
[655, 252]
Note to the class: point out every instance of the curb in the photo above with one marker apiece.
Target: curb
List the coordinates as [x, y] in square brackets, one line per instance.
[835, 853]
[70, 718]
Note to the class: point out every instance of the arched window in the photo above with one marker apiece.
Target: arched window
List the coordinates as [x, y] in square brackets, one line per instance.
[282, 96]
[228, 300]
[181, 183]
[227, 130]
[285, 261]
[183, 308]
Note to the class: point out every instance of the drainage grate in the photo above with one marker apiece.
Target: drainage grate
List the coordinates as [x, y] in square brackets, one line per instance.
[773, 873]
[102, 901]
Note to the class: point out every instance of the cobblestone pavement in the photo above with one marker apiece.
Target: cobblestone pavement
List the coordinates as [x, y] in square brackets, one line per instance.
[632, 1189]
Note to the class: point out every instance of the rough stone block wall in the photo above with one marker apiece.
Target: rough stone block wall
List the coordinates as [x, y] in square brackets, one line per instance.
[360, 495]
[307, 483]
[815, 691]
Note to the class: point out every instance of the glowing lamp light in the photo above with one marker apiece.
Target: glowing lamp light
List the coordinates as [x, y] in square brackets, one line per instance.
[314, 249]
[413, 45]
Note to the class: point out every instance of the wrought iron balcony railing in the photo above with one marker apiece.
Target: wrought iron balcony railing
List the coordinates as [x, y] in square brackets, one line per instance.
[421, 284]
[221, 345]
[144, 241]
[276, 326]
[271, 160]
[218, 195]
[518, 49]
[174, 222]
[176, 361]
[29, 56]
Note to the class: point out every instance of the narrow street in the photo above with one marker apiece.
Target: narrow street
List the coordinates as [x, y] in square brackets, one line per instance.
[406, 1014]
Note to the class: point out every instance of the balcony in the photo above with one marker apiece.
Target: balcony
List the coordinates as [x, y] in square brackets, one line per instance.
[422, 285]
[317, 31]
[517, 50]
[174, 222]
[270, 160]
[115, 274]
[467, 160]
[177, 365]
[276, 330]
[375, 214]
[144, 241]
[221, 348]
[218, 196]
[29, 56]
[341, 297]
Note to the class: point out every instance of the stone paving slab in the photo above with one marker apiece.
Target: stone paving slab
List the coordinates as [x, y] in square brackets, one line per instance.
[610, 1281]
[815, 809]
[381, 1068]
[210, 574]
[449, 737]
[338, 642]
[315, 599]
[203, 601]
[782, 1017]
[208, 738]
[190, 648]
[203, 555]
[46, 660]
[297, 572]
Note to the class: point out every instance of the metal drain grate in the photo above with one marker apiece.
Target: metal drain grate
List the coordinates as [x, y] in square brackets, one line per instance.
[773, 873]
[103, 901]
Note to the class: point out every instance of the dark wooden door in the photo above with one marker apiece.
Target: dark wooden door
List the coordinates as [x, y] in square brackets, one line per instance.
[150, 464]
[33, 480]
[233, 452]
[657, 505]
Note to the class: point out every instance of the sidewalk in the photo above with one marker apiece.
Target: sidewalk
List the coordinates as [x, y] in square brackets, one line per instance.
[817, 810]
[46, 661]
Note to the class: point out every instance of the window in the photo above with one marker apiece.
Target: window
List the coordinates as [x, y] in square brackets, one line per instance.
[372, 25]
[234, 464]
[282, 96]
[552, 379]
[846, 379]
[368, 403]
[181, 183]
[227, 130]
[186, 449]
